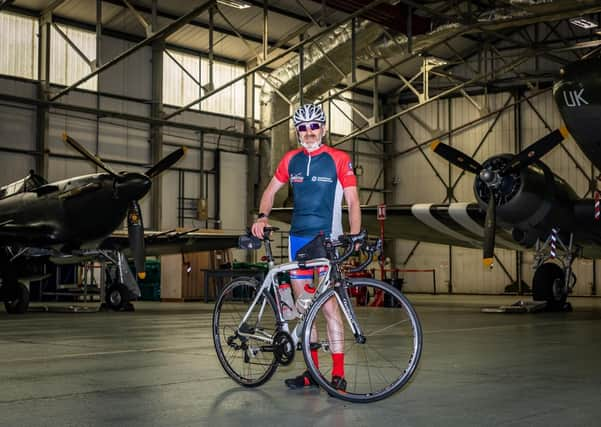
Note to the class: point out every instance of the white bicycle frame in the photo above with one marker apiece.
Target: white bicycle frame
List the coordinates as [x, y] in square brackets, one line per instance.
[270, 282]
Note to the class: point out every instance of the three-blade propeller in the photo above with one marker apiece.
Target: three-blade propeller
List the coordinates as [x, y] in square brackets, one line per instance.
[131, 186]
[492, 178]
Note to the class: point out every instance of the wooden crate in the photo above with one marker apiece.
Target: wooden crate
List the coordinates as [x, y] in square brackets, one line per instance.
[179, 285]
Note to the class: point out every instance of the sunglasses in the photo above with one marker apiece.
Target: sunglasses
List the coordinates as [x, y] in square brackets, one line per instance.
[312, 126]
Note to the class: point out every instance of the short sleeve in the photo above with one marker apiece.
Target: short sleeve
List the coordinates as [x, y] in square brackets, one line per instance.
[344, 170]
[281, 172]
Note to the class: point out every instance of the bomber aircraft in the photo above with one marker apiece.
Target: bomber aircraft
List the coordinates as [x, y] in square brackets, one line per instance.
[75, 219]
[520, 203]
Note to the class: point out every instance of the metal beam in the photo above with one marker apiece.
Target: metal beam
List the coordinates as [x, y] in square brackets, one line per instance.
[198, 24]
[122, 116]
[510, 66]
[278, 56]
[470, 124]
[49, 9]
[162, 33]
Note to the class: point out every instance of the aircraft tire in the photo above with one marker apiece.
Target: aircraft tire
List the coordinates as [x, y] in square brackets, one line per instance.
[117, 297]
[547, 281]
[19, 301]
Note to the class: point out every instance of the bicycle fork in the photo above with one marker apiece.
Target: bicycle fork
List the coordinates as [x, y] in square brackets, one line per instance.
[347, 308]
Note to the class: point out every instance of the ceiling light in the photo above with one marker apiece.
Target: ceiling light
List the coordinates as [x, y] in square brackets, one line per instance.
[236, 4]
[435, 61]
[583, 23]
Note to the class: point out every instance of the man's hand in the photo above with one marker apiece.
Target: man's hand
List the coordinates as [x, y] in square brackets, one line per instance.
[258, 227]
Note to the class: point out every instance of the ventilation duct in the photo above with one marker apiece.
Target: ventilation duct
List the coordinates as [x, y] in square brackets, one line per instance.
[320, 75]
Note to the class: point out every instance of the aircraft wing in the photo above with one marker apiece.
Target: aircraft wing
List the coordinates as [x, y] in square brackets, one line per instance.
[172, 242]
[457, 224]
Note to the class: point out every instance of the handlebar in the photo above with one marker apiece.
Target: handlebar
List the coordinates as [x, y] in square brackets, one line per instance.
[351, 241]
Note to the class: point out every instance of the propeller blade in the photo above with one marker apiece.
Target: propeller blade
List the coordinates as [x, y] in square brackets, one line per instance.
[456, 157]
[166, 162]
[135, 233]
[489, 231]
[84, 152]
[535, 151]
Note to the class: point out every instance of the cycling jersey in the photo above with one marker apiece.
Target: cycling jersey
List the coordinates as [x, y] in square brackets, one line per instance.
[317, 179]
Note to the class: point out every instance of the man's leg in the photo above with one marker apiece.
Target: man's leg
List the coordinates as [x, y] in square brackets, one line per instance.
[299, 279]
[335, 330]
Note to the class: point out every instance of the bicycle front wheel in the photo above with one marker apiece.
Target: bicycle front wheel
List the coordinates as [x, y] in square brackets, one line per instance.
[245, 350]
[378, 361]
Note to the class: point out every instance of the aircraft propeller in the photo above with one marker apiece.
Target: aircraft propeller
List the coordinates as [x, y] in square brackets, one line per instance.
[493, 178]
[131, 186]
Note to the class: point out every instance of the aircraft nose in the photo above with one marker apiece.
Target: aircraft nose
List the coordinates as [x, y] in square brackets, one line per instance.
[133, 186]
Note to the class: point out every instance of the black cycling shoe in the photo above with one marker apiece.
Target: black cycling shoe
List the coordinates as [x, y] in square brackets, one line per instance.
[302, 381]
[338, 383]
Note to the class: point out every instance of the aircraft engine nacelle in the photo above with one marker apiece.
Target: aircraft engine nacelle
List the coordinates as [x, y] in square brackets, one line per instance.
[528, 199]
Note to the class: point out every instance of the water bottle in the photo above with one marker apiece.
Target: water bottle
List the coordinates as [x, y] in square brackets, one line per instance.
[287, 301]
[304, 299]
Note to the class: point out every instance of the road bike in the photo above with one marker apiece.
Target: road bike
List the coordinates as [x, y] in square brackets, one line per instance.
[382, 336]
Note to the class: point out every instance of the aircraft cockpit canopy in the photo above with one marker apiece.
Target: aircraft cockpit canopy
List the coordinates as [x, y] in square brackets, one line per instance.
[29, 183]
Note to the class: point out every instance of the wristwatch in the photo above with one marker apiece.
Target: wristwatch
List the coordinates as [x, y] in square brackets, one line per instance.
[261, 215]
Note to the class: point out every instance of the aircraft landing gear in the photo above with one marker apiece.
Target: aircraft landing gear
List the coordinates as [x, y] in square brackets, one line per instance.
[553, 281]
[16, 299]
[117, 298]
[121, 287]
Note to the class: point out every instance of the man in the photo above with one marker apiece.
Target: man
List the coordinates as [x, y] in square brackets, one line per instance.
[319, 176]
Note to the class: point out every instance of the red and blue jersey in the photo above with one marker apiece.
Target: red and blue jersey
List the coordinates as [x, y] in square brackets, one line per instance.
[318, 180]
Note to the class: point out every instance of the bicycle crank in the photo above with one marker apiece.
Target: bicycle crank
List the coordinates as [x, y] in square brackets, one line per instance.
[283, 348]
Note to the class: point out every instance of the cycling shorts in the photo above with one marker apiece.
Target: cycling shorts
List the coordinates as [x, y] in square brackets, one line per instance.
[294, 244]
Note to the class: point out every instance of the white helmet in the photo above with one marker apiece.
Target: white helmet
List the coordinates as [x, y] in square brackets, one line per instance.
[308, 113]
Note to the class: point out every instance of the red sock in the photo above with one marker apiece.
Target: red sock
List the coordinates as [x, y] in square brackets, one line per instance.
[314, 357]
[338, 365]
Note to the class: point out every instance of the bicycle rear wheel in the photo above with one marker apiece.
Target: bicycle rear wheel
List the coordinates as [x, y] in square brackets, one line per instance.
[246, 354]
[380, 362]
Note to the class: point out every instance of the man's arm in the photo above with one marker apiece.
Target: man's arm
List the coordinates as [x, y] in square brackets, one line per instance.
[351, 195]
[265, 206]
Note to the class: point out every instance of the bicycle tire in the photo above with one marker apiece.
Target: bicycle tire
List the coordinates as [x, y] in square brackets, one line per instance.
[381, 366]
[242, 357]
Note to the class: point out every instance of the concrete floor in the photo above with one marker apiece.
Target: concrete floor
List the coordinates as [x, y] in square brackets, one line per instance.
[157, 367]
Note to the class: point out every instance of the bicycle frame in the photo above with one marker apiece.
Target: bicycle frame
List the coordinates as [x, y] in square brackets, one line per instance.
[270, 285]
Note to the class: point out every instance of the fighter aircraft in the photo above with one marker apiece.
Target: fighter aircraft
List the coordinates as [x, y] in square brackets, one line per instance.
[521, 204]
[75, 219]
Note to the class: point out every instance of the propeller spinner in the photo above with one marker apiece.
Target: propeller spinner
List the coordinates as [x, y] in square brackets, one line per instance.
[493, 177]
[131, 186]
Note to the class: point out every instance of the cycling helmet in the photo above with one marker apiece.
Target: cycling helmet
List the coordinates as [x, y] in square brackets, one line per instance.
[308, 113]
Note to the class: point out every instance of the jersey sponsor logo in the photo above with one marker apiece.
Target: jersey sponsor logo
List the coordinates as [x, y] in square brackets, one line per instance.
[296, 178]
[321, 179]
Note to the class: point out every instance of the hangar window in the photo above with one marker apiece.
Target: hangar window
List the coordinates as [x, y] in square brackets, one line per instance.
[19, 46]
[180, 82]
[230, 100]
[181, 74]
[70, 63]
[341, 115]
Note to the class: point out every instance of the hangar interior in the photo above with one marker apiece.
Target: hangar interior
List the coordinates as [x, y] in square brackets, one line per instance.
[133, 80]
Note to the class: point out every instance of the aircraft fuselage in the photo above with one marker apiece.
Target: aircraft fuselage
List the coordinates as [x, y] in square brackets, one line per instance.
[70, 212]
[578, 97]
